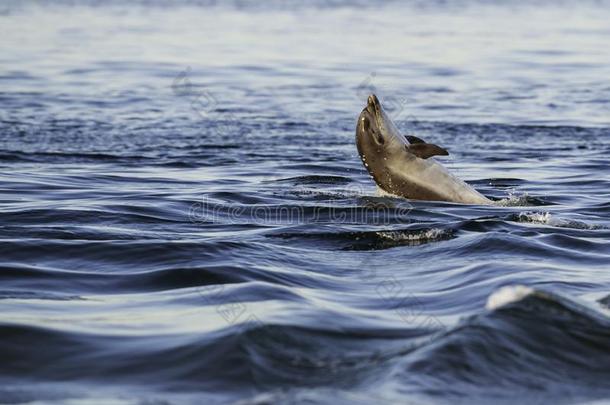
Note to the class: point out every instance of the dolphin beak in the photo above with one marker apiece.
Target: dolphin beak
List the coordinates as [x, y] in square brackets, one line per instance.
[373, 102]
[374, 106]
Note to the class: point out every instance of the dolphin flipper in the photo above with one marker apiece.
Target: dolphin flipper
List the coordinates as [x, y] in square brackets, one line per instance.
[426, 150]
[414, 139]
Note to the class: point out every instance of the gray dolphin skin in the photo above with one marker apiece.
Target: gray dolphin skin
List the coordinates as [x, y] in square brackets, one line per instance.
[404, 166]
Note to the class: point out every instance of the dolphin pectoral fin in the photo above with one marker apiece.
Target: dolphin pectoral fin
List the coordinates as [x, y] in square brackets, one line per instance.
[414, 139]
[426, 150]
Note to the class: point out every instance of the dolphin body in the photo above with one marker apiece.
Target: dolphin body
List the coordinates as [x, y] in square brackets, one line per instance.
[404, 166]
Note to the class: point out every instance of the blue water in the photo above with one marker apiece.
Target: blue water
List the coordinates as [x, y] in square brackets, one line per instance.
[184, 217]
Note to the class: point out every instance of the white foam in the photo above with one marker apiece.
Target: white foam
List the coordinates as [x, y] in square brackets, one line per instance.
[513, 200]
[536, 217]
[424, 235]
[545, 218]
[382, 193]
[507, 295]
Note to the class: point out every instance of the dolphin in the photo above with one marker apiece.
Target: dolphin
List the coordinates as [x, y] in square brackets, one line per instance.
[403, 165]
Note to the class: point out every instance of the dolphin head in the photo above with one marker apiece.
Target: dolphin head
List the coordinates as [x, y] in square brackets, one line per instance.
[378, 140]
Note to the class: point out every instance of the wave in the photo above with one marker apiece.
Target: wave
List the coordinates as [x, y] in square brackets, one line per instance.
[370, 240]
[530, 343]
[316, 179]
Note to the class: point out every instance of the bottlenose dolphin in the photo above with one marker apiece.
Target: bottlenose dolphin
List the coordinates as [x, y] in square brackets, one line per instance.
[404, 166]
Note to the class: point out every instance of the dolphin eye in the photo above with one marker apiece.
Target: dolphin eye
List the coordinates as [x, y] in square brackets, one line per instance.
[366, 123]
[380, 139]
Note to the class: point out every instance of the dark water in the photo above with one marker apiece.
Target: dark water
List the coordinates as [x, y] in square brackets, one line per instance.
[184, 217]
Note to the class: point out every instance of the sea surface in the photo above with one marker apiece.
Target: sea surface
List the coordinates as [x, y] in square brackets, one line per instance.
[184, 218]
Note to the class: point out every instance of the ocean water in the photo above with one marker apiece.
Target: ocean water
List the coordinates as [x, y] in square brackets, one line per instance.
[184, 217]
